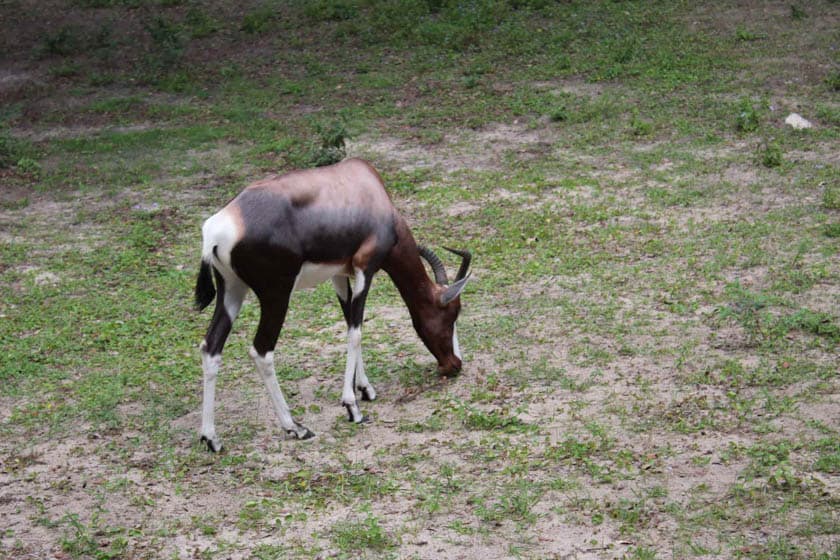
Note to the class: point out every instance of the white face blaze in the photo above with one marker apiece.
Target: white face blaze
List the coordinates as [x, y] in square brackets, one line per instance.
[456, 349]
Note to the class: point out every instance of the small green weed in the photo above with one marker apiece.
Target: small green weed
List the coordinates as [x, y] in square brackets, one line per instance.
[475, 419]
[642, 553]
[831, 197]
[640, 127]
[331, 10]
[746, 309]
[169, 43]
[200, 24]
[833, 80]
[797, 13]
[258, 20]
[559, 114]
[745, 35]
[514, 501]
[94, 541]
[331, 146]
[358, 536]
[829, 455]
[66, 41]
[770, 154]
[11, 150]
[749, 116]
[832, 230]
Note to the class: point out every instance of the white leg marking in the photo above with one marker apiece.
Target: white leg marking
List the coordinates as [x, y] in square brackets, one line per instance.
[210, 366]
[340, 285]
[265, 367]
[362, 382]
[358, 281]
[234, 296]
[348, 394]
[456, 348]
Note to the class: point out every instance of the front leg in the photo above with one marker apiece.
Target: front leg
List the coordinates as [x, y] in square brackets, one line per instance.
[265, 367]
[362, 383]
[348, 394]
[354, 354]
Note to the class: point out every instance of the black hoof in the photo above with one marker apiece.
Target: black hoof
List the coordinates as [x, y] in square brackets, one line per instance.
[365, 420]
[210, 445]
[307, 434]
[365, 394]
[349, 413]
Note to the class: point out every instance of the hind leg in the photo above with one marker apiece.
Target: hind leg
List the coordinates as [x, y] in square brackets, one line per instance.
[228, 302]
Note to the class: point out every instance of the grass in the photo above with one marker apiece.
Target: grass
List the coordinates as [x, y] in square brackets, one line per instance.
[650, 342]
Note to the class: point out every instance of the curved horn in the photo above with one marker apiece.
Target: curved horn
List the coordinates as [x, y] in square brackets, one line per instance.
[434, 261]
[466, 257]
[453, 291]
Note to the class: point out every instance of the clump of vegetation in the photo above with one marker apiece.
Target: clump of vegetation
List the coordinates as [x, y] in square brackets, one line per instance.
[8, 151]
[169, 43]
[770, 154]
[330, 10]
[833, 80]
[258, 20]
[749, 116]
[559, 114]
[66, 41]
[743, 34]
[332, 144]
[362, 535]
[831, 197]
[16, 153]
[69, 40]
[752, 311]
[200, 24]
[640, 127]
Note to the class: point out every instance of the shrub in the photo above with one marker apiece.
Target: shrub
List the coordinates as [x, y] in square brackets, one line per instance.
[748, 116]
[330, 10]
[258, 20]
[331, 146]
[200, 24]
[168, 40]
[833, 80]
[771, 154]
[831, 198]
[12, 151]
[64, 42]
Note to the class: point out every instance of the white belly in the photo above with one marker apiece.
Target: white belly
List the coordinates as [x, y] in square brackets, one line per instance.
[312, 274]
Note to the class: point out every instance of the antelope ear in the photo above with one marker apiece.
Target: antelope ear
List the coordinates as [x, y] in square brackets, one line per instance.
[454, 290]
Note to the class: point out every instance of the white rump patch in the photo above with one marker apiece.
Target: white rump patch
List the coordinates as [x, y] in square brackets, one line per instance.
[220, 231]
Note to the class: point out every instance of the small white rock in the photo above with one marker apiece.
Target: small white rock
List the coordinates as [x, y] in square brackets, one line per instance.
[796, 121]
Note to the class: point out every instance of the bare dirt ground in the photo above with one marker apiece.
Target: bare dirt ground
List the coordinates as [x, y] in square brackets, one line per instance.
[105, 477]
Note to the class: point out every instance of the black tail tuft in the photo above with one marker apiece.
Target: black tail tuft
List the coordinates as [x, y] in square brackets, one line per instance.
[205, 291]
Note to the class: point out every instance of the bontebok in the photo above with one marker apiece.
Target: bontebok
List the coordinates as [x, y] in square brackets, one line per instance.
[300, 229]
